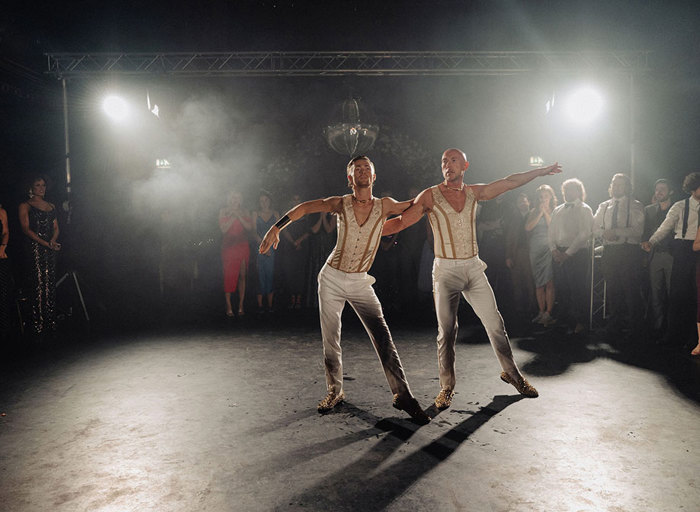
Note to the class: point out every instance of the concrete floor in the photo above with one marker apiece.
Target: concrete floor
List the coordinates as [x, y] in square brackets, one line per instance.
[226, 420]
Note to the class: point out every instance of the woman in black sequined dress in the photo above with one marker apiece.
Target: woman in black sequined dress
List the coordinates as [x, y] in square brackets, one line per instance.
[38, 220]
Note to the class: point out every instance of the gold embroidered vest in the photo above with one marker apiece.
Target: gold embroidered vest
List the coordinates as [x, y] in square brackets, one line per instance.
[454, 233]
[357, 245]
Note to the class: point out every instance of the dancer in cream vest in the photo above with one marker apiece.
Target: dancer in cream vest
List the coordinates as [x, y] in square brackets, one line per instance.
[451, 209]
[344, 279]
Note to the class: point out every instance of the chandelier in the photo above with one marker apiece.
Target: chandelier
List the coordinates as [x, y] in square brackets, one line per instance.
[350, 136]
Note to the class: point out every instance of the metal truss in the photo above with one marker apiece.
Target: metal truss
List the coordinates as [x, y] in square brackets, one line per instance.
[374, 63]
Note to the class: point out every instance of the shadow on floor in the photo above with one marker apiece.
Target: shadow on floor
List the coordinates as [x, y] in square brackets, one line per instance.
[359, 486]
[555, 352]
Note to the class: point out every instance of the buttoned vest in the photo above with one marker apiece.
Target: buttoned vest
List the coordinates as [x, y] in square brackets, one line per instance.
[454, 233]
[357, 245]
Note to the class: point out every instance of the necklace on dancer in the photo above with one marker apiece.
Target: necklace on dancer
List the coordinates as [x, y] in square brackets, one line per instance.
[455, 189]
[362, 201]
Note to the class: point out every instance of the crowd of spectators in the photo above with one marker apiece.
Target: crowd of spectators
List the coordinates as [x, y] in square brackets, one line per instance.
[543, 252]
[646, 257]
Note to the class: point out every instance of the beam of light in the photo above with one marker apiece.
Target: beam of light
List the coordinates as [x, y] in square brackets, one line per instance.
[116, 108]
[584, 106]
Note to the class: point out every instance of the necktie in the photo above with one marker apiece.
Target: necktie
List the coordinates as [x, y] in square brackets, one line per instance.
[614, 217]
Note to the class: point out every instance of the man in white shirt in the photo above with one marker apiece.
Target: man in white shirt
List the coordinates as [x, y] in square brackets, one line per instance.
[682, 220]
[570, 234]
[620, 222]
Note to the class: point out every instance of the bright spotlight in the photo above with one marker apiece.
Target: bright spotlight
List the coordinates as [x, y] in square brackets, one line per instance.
[116, 108]
[584, 106]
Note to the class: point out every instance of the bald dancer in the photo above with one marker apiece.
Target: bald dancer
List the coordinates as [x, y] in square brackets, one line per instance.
[451, 208]
[344, 278]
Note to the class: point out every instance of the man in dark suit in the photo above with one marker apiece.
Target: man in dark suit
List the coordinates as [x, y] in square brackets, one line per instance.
[660, 261]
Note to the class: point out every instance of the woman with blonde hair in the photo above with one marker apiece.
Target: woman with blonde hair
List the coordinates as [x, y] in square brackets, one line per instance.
[235, 223]
[537, 224]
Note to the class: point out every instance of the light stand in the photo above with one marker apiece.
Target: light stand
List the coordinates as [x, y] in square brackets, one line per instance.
[67, 205]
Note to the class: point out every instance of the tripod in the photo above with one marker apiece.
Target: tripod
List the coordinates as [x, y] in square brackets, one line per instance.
[74, 275]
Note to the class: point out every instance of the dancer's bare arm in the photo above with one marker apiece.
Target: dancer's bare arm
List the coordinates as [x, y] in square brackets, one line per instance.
[498, 187]
[391, 206]
[272, 237]
[421, 204]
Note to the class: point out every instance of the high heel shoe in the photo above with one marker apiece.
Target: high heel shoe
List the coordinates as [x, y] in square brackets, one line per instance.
[547, 319]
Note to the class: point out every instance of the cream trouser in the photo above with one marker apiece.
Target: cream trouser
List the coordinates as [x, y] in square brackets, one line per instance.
[335, 287]
[466, 276]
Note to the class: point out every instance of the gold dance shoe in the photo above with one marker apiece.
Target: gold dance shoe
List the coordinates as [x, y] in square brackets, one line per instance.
[444, 398]
[332, 399]
[410, 405]
[522, 385]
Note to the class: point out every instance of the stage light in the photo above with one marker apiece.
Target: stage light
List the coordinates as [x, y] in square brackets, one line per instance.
[116, 108]
[162, 163]
[584, 105]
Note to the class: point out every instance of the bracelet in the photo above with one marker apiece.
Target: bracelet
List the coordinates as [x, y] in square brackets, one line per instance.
[283, 222]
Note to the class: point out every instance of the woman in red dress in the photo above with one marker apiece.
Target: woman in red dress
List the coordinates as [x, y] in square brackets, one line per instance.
[235, 224]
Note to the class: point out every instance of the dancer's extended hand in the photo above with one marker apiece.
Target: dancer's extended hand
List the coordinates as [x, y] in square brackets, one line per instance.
[271, 239]
[555, 168]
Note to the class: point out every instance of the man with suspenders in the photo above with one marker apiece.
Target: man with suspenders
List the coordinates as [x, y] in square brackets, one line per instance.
[682, 220]
[620, 222]
[451, 208]
[344, 278]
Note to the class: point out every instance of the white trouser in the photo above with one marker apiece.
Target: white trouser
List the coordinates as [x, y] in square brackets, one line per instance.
[466, 276]
[335, 287]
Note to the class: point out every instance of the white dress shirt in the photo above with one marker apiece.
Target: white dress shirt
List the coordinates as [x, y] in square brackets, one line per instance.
[571, 226]
[628, 230]
[673, 223]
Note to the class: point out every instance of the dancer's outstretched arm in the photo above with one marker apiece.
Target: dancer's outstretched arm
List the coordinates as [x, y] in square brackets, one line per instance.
[272, 237]
[498, 187]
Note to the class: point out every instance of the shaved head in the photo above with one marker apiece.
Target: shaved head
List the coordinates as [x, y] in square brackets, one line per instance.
[458, 151]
